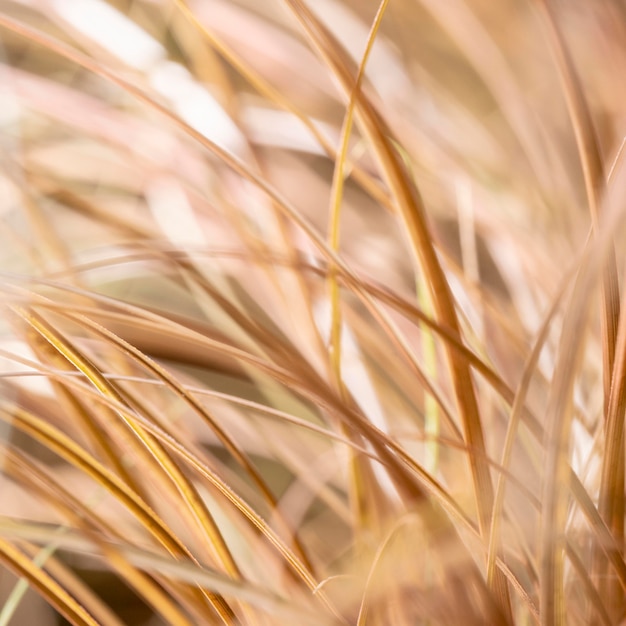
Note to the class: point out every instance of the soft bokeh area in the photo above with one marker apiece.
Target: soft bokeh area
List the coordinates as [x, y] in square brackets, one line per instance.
[311, 312]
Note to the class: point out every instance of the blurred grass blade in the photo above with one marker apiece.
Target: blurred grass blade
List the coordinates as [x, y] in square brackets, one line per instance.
[45, 585]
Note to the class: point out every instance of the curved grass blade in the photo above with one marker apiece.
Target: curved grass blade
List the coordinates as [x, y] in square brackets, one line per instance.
[45, 585]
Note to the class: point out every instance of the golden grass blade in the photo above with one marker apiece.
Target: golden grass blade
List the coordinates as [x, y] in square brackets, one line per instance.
[19, 467]
[405, 307]
[272, 413]
[336, 196]
[73, 405]
[174, 419]
[106, 388]
[75, 455]
[413, 215]
[103, 615]
[379, 293]
[184, 572]
[578, 490]
[70, 379]
[463, 382]
[436, 491]
[187, 491]
[377, 438]
[45, 585]
[228, 442]
[86, 518]
[364, 491]
[433, 488]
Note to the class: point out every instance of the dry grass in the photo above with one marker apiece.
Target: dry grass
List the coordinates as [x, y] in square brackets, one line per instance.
[311, 312]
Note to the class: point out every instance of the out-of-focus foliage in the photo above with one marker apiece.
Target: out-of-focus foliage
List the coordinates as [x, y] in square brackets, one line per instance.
[311, 312]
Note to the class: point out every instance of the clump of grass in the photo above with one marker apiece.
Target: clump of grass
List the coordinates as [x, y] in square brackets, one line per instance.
[311, 312]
